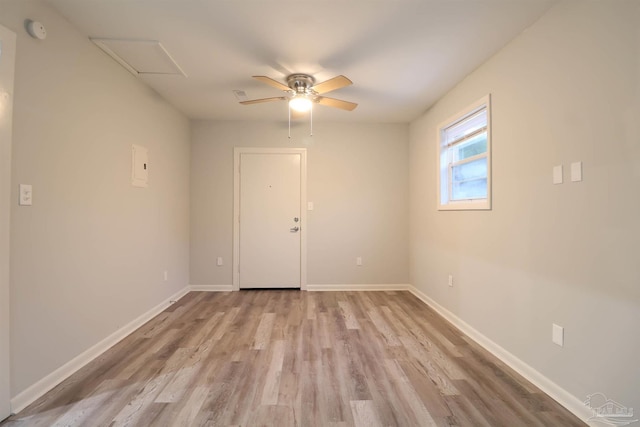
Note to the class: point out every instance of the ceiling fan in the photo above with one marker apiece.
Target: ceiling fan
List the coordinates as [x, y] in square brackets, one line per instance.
[302, 92]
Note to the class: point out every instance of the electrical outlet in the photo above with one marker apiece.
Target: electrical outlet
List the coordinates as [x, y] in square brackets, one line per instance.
[557, 335]
[451, 280]
[166, 275]
[26, 195]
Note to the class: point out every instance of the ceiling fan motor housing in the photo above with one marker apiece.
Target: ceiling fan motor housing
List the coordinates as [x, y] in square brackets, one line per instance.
[301, 83]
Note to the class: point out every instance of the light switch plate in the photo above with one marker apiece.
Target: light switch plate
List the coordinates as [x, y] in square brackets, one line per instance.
[26, 195]
[309, 206]
[576, 171]
[557, 174]
[219, 261]
[557, 335]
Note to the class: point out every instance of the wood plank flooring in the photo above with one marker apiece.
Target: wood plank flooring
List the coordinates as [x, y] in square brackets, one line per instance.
[291, 358]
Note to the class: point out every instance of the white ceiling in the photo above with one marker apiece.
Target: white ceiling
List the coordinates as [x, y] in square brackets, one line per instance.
[402, 55]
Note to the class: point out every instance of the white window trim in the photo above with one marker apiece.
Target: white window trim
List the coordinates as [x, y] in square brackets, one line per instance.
[471, 204]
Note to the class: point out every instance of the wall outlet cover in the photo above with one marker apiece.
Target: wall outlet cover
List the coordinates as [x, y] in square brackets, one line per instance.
[557, 174]
[557, 335]
[26, 195]
[576, 171]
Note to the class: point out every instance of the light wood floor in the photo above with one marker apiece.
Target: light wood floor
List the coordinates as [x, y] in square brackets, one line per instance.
[291, 358]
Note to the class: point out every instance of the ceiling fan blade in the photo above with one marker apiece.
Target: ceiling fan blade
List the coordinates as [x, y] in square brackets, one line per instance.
[337, 103]
[332, 84]
[258, 101]
[271, 82]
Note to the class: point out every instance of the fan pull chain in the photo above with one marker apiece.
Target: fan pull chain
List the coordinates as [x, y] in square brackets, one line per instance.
[311, 120]
[289, 110]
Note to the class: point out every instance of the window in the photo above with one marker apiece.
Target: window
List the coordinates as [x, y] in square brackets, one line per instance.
[464, 163]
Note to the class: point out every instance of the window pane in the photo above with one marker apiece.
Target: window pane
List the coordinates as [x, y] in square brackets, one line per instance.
[466, 126]
[469, 180]
[471, 170]
[475, 189]
[473, 147]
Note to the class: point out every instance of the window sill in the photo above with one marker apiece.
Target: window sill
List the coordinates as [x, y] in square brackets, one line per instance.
[479, 205]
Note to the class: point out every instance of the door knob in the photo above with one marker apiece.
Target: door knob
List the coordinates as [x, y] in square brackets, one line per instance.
[294, 229]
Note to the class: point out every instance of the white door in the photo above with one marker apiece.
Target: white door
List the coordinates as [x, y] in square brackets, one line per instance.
[7, 59]
[270, 219]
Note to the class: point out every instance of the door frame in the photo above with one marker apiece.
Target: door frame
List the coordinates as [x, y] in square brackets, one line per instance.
[237, 153]
[8, 52]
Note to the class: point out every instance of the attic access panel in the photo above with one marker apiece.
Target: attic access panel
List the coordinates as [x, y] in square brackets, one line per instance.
[140, 56]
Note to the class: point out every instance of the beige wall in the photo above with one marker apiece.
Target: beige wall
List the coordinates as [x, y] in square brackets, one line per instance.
[357, 180]
[566, 90]
[88, 257]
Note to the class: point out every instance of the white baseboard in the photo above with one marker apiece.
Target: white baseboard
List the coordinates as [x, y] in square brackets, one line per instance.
[35, 391]
[317, 287]
[359, 287]
[211, 288]
[560, 395]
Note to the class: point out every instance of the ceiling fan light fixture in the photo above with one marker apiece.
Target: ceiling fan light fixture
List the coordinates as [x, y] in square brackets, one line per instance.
[300, 104]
